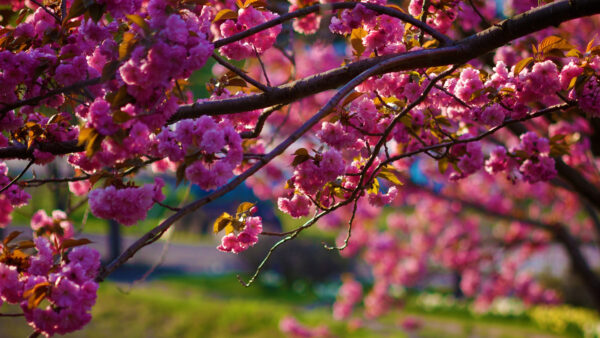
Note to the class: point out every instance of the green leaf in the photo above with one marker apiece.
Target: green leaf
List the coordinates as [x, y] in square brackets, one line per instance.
[109, 70]
[96, 11]
[443, 165]
[77, 9]
[126, 45]
[120, 116]
[180, 174]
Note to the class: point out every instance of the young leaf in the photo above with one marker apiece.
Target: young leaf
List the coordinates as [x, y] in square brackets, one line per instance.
[374, 188]
[443, 165]
[225, 14]
[244, 207]
[521, 65]
[25, 245]
[390, 174]
[127, 45]
[222, 222]
[77, 9]
[36, 294]
[71, 243]
[11, 236]
[138, 20]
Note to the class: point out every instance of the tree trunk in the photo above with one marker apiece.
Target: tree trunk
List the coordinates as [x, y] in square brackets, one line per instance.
[114, 240]
[579, 263]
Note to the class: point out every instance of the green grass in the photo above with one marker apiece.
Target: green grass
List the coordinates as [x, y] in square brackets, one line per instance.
[221, 307]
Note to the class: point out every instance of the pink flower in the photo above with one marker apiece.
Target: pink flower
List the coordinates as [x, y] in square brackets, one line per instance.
[297, 206]
[80, 188]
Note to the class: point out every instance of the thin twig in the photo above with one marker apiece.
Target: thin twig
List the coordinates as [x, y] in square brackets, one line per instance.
[240, 73]
[260, 122]
[424, 13]
[54, 15]
[444, 40]
[349, 234]
[486, 23]
[14, 180]
[262, 66]
[167, 206]
[34, 100]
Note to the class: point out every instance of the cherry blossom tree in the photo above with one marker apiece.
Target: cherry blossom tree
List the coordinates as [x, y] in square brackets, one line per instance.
[481, 123]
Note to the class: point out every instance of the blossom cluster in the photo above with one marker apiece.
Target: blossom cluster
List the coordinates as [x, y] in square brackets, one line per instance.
[126, 205]
[214, 150]
[61, 276]
[253, 45]
[246, 238]
[349, 294]
[12, 197]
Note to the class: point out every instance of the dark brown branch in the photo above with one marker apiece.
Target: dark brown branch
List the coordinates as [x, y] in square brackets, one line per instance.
[166, 206]
[559, 231]
[54, 15]
[476, 45]
[37, 182]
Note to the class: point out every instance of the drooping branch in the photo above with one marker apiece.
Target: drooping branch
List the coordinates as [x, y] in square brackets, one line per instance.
[14, 180]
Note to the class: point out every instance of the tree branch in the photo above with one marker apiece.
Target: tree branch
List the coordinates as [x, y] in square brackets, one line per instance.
[471, 47]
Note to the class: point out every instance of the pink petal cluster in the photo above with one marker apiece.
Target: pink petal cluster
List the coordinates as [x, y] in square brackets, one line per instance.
[237, 243]
[349, 294]
[292, 328]
[252, 45]
[126, 205]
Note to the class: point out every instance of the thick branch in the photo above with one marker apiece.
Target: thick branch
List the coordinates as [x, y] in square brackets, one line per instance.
[476, 45]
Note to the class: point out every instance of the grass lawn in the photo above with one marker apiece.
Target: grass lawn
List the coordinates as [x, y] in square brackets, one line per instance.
[220, 307]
